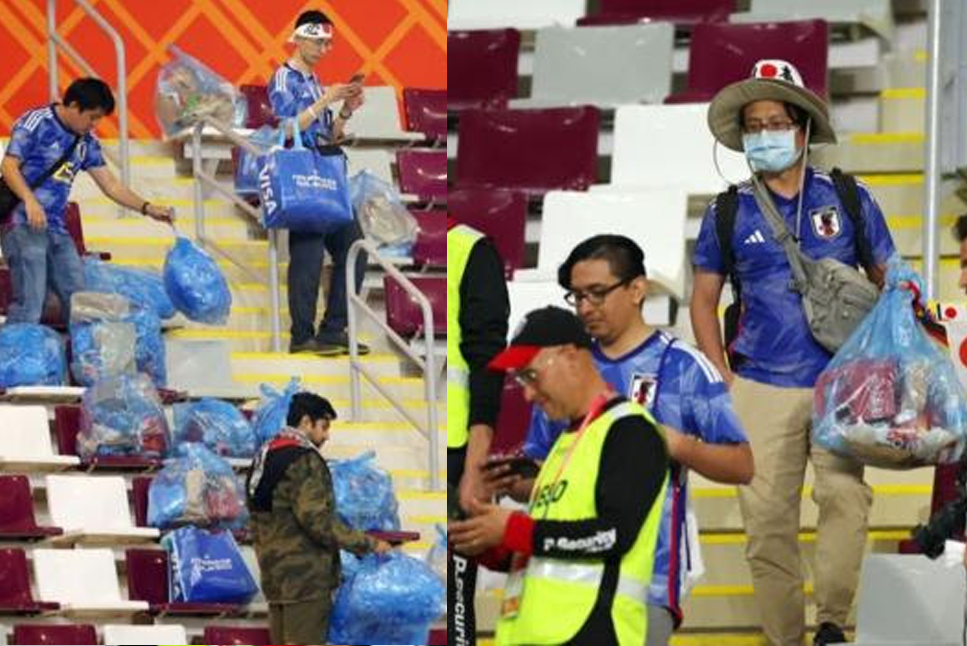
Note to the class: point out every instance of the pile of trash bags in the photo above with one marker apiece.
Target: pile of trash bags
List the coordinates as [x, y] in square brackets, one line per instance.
[216, 424]
[364, 494]
[196, 488]
[122, 415]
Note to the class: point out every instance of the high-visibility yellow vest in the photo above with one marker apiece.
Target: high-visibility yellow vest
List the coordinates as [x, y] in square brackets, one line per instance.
[558, 595]
[460, 242]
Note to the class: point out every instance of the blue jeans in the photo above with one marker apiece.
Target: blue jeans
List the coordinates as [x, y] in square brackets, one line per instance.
[38, 260]
[306, 252]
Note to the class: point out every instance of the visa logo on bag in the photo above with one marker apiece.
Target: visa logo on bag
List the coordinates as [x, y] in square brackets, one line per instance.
[315, 181]
[265, 189]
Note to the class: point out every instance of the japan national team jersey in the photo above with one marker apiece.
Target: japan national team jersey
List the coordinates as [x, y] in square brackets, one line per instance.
[680, 388]
[38, 140]
[774, 336]
[292, 91]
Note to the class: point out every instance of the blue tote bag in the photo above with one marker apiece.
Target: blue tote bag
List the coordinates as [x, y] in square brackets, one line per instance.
[304, 190]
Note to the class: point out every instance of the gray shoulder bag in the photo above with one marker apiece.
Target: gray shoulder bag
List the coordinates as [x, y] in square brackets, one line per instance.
[835, 296]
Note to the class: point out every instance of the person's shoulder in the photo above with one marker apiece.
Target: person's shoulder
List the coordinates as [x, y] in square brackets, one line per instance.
[282, 77]
[34, 120]
[687, 357]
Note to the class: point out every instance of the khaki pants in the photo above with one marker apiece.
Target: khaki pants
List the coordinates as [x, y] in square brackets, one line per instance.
[302, 622]
[778, 421]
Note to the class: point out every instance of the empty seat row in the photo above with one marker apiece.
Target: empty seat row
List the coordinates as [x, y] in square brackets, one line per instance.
[71, 634]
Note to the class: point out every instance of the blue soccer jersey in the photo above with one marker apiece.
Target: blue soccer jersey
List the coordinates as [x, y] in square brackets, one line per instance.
[774, 336]
[38, 140]
[682, 389]
[291, 91]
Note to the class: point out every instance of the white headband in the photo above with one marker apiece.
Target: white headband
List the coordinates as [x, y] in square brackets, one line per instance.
[312, 30]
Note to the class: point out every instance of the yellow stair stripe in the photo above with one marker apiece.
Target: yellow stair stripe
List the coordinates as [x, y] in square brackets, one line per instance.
[882, 489]
[916, 221]
[888, 179]
[421, 495]
[883, 138]
[736, 538]
[299, 357]
[166, 241]
[895, 93]
[413, 473]
[427, 519]
[254, 377]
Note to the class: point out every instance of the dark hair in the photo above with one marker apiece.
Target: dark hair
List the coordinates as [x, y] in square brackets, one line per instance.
[311, 404]
[796, 114]
[625, 258]
[90, 94]
[312, 17]
[960, 228]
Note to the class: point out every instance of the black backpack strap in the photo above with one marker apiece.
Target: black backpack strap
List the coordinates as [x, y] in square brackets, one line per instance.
[726, 209]
[849, 194]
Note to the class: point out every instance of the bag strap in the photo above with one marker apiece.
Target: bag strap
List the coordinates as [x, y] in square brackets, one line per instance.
[849, 195]
[726, 210]
[57, 164]
[781, 233]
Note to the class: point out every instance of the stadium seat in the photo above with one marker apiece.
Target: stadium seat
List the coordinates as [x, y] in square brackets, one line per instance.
[140, 485]
[530, 295]
[379, 117]
[438, 638]
[67, 424]
[42, 634]
[723, 53]
[147, 577]
[499, 213]
[25, 441]
[681, 133]
[430, 248]
[17, 521]
[529, 14]
[405, 316]
[259, 108]
[875, 15]
[531, 150]
[378, 161]
[120, 634]
[513, 421]
[426, 112]
[82, 581]
[423, 173]
[75, 227]
[236, 636]
[481, 68]
[602, 66]
[15, 595]
[109, 521]
[680, 12]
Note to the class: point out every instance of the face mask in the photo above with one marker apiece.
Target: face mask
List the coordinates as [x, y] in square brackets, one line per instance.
[771, 151]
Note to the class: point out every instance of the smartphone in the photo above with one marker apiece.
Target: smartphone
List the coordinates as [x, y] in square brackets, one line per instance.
[453, 505]
[358, 78]
[519, 465]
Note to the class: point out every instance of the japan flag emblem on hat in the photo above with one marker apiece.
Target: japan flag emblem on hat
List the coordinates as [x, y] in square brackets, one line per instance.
[777, 70]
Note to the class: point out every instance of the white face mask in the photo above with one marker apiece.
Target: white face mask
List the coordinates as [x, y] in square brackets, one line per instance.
[771, 151]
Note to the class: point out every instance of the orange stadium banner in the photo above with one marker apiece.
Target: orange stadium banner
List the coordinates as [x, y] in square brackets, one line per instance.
[401, 43]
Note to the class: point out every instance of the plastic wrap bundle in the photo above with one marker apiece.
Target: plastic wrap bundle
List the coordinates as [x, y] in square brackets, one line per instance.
[139, 286]
[111, 336]
[270, 416]
[207, 567]
[188, 90]
[249, 164]
[195, 284]
[364, 494]
[349, 564]
[890, 397]
[122, 416]
[196, 488]
[31, 355]
[216, 424]
[380, 212]
[436, 557]
[392, 599]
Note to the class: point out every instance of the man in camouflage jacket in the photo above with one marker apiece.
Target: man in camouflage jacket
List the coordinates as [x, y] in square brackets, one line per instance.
[297, 533]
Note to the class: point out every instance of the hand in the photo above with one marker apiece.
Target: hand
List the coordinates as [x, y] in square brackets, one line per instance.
[381, 547]
[337, 92]
[485, 529]
[675, 440]
[160, 213]
[354, 102]
[501, 482]
[472, 487]
[36, 217]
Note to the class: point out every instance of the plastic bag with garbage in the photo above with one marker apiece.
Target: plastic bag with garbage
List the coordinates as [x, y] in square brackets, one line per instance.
[380, 211]
[197, 488]
[188, 90]
[31, 355]
[122, 415]
[364, 494]
[195, 284]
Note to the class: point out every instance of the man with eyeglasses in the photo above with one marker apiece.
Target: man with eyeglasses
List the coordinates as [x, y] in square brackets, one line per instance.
[606, 283]
[580, 559]
[774, 360]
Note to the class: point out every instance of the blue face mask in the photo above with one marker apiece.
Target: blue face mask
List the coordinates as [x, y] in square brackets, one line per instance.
[771, 151]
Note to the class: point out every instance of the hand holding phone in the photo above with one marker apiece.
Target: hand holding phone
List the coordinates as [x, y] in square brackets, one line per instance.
[518, 465]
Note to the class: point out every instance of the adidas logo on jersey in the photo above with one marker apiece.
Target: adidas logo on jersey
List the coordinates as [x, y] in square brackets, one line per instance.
[755, 238]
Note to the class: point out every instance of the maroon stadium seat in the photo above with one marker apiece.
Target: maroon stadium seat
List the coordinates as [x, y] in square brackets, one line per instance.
[15, 595]
[531, 150]
[233, 636]
[723, 53]
[139, 494]
[513, 420]
[481, 68]
[423, 173]
[438, 638]
[680, 12]
[42, 634]
[259, 108]
[500, 214]
[147, 576]
[430, 247]
[17, 511]
[404, 315]
[67, 424]
[426, 112]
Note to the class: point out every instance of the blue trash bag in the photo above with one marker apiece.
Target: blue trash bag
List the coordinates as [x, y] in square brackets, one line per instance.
[196, 488]
[364, 494]
[392, 599]
[249, 164]
[270, 416]
[382, 215]
[349, 565]
[436, 557]
[122, 415]
[206, 567]
[216, 424]
[141, 286]
[149, 346]
[890, 397]
[195, 284]
[31, 355]
[302, 189]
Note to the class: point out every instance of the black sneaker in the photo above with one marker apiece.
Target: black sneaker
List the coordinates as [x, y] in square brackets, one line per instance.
[338, 343]
[829, 633]
[312, 346]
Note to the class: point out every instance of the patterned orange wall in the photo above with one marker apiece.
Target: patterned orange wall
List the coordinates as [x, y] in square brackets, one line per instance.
[395, 42]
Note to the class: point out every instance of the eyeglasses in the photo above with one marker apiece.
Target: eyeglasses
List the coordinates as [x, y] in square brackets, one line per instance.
[530, 376]
[595, 296]
[773, 125]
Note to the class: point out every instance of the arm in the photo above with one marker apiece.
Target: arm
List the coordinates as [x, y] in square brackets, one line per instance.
[706, 293]
[10, 169]
[726, 463]
[121, 194]
[315, 508]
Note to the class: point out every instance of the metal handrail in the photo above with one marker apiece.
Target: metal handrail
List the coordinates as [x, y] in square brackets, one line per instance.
[55, 40]
[428, 365]
[202, 177]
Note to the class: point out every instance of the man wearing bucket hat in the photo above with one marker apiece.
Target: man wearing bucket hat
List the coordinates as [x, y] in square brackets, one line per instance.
[581, 557]
[774, 359]
[295, 93]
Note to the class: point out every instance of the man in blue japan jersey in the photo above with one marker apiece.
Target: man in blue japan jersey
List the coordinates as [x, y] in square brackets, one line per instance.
[34, 238]
[295, 93]
[605, 281]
